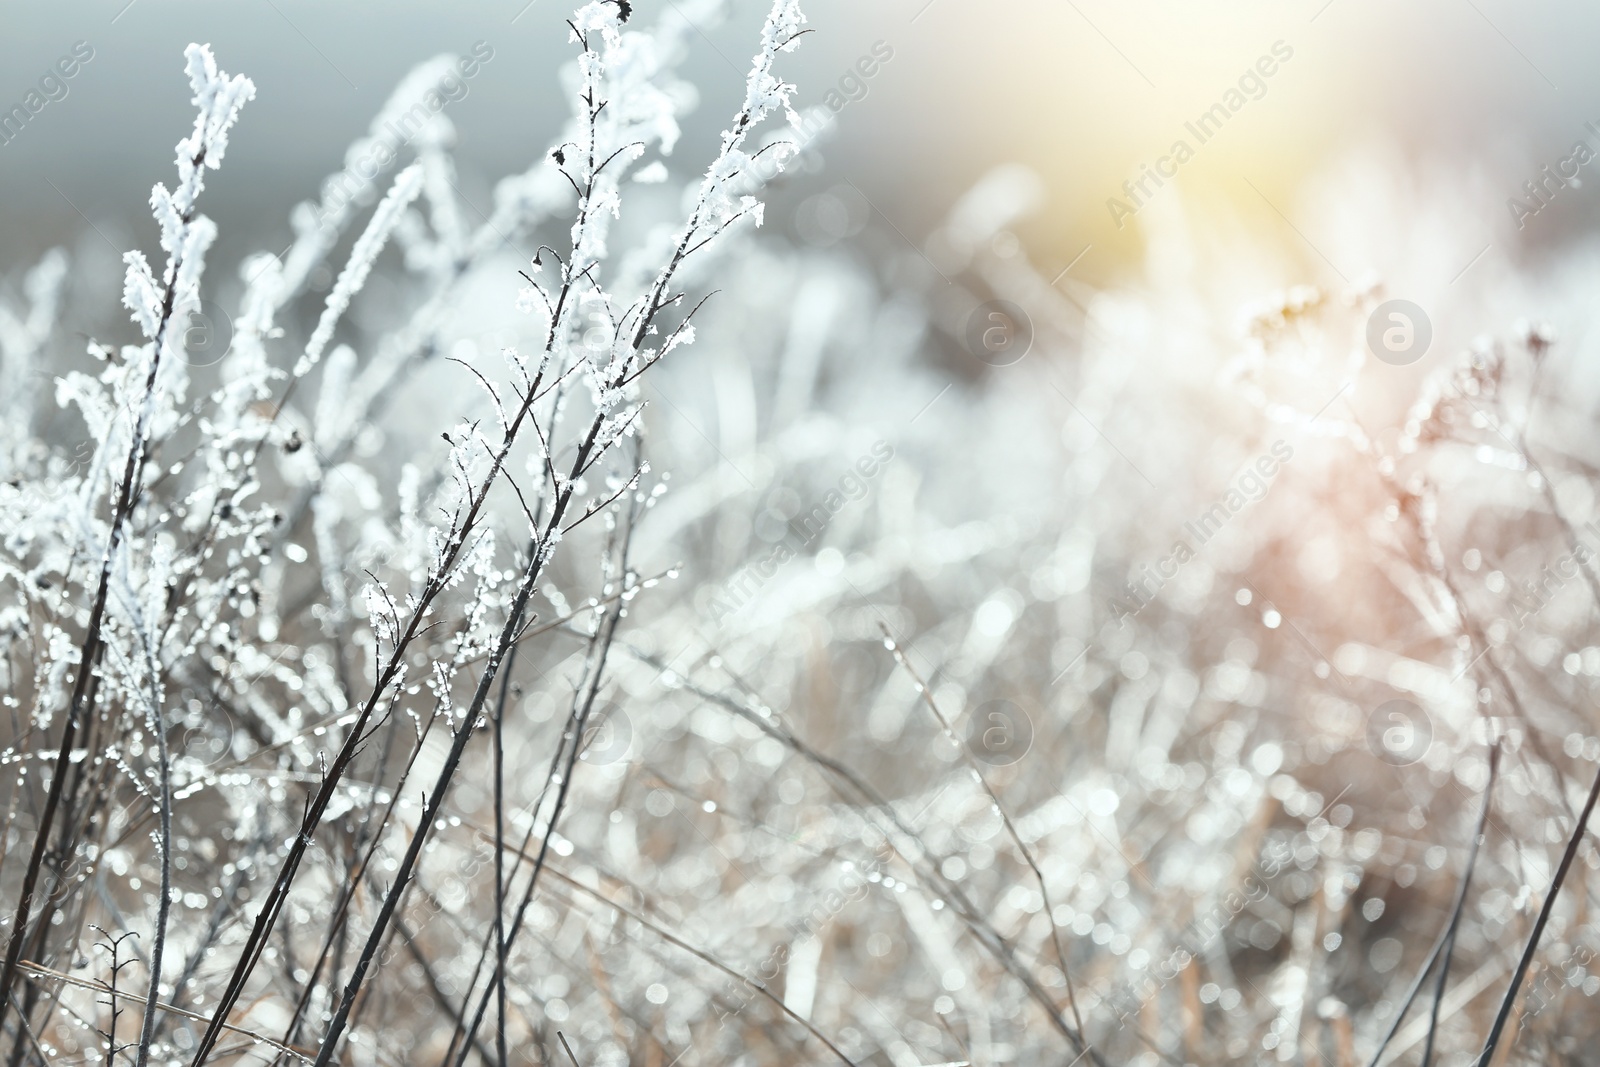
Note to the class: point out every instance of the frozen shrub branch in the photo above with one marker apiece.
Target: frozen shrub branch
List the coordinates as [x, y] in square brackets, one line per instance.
[198, 615]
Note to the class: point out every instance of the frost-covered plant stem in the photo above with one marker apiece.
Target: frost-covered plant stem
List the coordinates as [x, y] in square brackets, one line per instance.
[218, 98]
[567, 749]
[204, 619]
[158, 944]
[761, 97]
[500, 852]
[1075, 1033]
[438, 581]
[1580, 830]
[779, 34]
[1460, 907]
[430, 812]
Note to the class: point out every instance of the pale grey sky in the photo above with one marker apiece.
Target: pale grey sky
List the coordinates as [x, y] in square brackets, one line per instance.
[1083, 91]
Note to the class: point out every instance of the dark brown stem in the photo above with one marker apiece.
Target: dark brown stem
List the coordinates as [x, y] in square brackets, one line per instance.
[1510, 1000]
